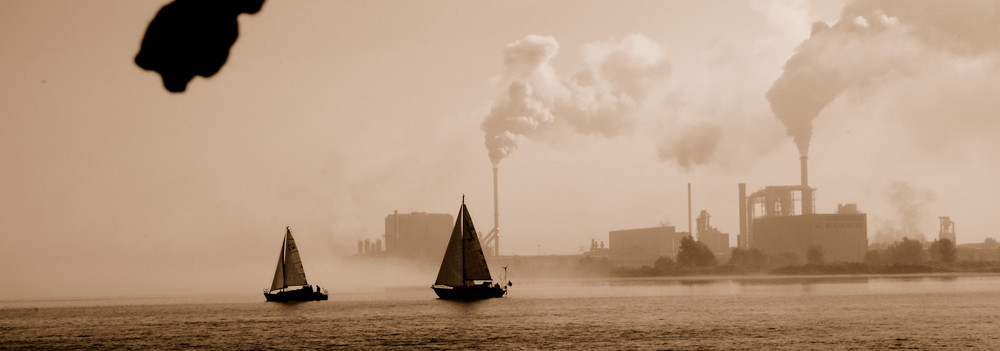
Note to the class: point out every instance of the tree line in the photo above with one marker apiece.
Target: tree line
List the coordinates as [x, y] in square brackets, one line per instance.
[694, 257]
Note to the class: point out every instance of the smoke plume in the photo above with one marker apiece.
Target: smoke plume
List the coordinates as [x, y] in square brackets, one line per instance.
[908, 203]
[694, 147]
[603, 99]
[874, 40]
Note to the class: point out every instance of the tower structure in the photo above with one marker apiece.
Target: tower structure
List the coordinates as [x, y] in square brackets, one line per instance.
[947, 229]
[492, 239]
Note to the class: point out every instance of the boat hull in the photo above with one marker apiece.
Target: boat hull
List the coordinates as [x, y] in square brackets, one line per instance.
[476, 292]
[298, 295]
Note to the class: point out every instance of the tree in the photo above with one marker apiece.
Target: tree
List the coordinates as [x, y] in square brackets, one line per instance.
[783, 259]
[948, 251]
[752, 258]
[874, 256]
[907, 251]
[663, 264]
[694, 254]
[814, 255]
[943, 250]
[990, 242]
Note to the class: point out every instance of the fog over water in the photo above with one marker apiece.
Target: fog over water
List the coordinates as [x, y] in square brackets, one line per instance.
[330, 115]
[921, 312]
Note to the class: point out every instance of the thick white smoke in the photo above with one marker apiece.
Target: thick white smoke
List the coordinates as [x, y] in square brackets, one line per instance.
[694, 146]
[872, 41]
[603, 99]
[910, 204]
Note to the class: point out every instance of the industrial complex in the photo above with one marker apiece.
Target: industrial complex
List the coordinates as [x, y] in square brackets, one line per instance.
[422, 237]
[774, 220]
[716, 241]
[417, 237]
[640, 247]
[782, 219]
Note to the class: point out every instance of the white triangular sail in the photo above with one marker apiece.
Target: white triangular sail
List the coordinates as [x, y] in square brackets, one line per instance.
[279, 272]
[294, 273]
[463, 260]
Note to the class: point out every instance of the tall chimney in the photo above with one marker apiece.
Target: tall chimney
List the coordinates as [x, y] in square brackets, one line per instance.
[496, 215]
[804, 164]
[807, 203]
[496, 209]
[690, 232]
[492, 239]
[395, 226]
[741, 240]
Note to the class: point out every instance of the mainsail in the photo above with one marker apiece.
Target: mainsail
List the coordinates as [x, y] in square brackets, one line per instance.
[463, 260]
[289, 271]
[475, 261]
[451, 267]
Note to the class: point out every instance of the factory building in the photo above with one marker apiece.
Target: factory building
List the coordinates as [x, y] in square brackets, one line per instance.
[639, 247]
[782, 219]
[716, 241]
[417, 236]
[840, 237]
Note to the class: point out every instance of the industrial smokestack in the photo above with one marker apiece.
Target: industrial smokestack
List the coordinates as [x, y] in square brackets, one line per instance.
[395, 226]
[496, 208]
[741, 240]
[807, 196]
[496, 214]
[690, 232]
[492, 239]
[804, 164]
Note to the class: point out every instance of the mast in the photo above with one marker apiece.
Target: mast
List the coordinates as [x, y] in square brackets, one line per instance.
[462, 213]
[458, 267]
[281, 260]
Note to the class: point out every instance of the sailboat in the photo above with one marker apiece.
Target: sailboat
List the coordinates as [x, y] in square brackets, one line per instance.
[290, 273]
[464, 274]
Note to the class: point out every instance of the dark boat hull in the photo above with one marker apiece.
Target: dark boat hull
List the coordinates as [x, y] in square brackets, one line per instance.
[299, 295]
[476, 292]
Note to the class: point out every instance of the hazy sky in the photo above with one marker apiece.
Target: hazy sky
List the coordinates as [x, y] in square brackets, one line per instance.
[330, 115]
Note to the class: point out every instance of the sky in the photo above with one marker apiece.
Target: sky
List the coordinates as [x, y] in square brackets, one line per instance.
[330, 115]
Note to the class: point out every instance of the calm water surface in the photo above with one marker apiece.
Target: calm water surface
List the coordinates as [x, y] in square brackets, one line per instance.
[913, 312]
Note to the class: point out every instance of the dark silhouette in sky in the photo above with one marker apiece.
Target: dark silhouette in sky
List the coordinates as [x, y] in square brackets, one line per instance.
[189, 38]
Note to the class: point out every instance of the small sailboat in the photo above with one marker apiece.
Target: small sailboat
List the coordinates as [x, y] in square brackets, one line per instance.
[290, 273]
[464, 274]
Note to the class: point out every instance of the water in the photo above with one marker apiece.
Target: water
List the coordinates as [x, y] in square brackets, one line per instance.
[913, 312]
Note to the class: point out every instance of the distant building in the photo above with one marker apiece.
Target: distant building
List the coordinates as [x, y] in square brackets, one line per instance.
[780, 219]
[840, 237]
[417, 236]
[988, 250]
[847, 209]
[947, 229]
[367, 247]
[783, 219]
[641, 247]
[716, 241]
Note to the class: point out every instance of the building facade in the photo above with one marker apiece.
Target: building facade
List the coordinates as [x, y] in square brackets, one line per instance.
[417, 236]
[715, 240]
[641, 247]
[840, 237]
